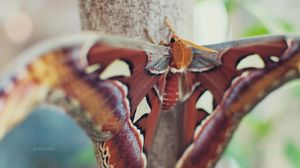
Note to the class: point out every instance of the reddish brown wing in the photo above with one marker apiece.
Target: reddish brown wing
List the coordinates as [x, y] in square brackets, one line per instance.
[219, 79]
[235, 92]
[139, 132]
[140, 84]
[61, 73]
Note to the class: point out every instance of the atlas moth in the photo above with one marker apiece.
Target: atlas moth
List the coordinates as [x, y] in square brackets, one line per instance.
[74, 72]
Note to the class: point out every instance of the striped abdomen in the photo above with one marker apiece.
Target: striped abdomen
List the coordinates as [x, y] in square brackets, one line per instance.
[171, 93]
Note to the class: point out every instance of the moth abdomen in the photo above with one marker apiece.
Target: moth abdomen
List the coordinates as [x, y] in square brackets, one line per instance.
[171, 94]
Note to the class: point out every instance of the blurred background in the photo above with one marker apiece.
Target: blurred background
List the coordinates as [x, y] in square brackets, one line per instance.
[48, 138]
[267, 138]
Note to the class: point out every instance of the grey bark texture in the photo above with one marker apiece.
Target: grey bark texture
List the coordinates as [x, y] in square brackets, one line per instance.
[128, 18]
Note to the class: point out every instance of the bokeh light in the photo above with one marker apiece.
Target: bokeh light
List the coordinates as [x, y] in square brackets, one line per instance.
[19, 27]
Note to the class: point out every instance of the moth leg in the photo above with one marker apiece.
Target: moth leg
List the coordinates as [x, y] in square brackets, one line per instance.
[149, 37]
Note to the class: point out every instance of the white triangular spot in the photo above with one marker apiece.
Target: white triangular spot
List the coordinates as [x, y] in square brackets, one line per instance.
[205, 102]
[251, 61]
[274, 59]
[116, 68]
[142, 108]
[92, 68]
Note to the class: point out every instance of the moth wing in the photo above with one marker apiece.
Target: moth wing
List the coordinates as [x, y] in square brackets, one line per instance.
[42, 68]
[144, 82]
[235, 91]
[68, 72]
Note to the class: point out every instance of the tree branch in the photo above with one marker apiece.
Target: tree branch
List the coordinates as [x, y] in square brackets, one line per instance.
[129, 18]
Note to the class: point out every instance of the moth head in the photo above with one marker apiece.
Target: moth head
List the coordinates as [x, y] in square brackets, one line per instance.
[181, 55]
[174, 38]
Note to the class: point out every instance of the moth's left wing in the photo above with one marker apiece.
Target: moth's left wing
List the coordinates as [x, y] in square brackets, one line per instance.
[235, 86]
[77, 73]
[145, 82]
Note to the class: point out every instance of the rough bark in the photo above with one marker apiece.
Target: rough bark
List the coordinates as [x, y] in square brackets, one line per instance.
[129, 18]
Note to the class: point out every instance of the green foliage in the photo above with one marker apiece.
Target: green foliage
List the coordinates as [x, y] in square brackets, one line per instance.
[245, 151]
[239, 151]
[286, 26]
[260, 128]
[265, 23]
[294, 90]
[230, 5]
[255, 30]
[292, 153]
[86, 158]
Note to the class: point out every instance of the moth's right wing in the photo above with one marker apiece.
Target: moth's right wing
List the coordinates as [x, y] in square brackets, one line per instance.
[236, 85]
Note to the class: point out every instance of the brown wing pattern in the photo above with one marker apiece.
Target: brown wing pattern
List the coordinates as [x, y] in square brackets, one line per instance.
[61, 75]
[140, 84]
[236, 92]
[108, 108]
